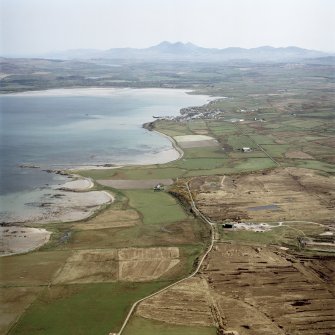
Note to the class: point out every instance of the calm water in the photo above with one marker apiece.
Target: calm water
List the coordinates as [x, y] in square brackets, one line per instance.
[73, 127]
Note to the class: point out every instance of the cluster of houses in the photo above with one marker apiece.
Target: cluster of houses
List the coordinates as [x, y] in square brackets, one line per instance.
[202, 112]
[208, 112]
[255, 227]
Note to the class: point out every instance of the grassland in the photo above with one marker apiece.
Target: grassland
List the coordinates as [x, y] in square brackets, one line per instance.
[82, 309]
[138, 218]
[142, 326]
[155, 207]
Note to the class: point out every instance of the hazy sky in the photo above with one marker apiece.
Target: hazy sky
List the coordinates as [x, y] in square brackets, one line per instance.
[38, 26]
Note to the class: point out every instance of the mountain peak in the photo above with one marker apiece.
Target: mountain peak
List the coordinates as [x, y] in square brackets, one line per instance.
[170, 47]
[166, 50]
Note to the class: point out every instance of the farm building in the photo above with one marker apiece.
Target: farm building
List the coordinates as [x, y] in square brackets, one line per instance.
[159, 187]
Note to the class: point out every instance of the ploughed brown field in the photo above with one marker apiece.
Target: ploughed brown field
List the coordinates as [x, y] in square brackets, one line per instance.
[248, 287]
[130, 264]
[244, 290]
[278, 195]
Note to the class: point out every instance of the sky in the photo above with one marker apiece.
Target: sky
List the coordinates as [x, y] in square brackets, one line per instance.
[29, 27]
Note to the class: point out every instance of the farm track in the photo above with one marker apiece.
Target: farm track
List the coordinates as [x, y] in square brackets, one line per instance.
[211, 224]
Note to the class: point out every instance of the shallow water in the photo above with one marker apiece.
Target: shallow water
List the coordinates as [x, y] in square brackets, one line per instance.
[73, 127]
[66, 128]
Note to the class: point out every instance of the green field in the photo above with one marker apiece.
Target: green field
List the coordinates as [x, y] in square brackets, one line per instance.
[200, 163]
[210, 152]
[275, 150]
[262, 139]
[240, 141]
[314, 165]
[31, 269]
[142, 326]
[82, 309]
[155, 207]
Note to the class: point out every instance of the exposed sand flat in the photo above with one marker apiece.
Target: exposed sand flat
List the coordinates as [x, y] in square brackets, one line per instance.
[76, 206]
[160, 157]
[77, 185]
[135, 184]
[17, 240]
[50, 205]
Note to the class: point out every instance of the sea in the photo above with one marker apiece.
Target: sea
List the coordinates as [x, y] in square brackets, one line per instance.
[74, 128]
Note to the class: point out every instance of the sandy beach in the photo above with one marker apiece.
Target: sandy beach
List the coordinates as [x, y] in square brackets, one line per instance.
[49, 205]
[79, 185]
[17, 240]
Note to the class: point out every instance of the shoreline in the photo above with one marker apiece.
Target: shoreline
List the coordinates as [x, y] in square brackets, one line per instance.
[16, 240]
[78, 185]
[174, 145]
[65, 91]
[71, 200]
[111, 166]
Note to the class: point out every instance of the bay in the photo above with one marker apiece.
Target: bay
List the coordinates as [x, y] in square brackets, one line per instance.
[68, 128]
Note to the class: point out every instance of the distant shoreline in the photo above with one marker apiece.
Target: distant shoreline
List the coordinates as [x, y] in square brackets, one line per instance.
[64, 91]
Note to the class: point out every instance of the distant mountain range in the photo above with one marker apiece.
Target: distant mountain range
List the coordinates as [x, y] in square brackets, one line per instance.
[178, 51]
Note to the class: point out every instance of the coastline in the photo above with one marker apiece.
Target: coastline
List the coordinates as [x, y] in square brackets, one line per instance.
[69, 208]
[74, 200]
[15, 240]
[174, 144]
[79, 184]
